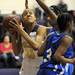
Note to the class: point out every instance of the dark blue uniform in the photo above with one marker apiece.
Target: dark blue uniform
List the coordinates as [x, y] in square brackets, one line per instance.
[49, 65]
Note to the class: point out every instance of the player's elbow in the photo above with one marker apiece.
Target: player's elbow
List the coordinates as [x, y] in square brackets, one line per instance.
[36, 47]
[57, 57]
[39, 54]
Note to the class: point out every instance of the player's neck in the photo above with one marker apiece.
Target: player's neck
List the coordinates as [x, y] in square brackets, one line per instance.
[29, 27]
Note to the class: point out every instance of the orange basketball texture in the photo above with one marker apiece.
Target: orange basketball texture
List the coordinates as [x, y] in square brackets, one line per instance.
[9, 18]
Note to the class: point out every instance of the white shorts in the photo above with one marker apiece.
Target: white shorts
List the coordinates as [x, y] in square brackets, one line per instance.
[30, 66]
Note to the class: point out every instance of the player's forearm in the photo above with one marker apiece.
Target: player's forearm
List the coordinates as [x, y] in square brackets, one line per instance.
[63, 59]
[47, 10]
[31, 42]
[41, 49]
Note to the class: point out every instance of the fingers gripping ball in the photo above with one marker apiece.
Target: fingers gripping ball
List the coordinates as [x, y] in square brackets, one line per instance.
[9, 18]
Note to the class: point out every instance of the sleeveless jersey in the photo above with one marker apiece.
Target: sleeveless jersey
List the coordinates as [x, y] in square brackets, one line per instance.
[53, 42]
[31, 63]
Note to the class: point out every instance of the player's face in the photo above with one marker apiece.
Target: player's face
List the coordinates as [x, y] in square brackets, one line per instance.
[28, 16]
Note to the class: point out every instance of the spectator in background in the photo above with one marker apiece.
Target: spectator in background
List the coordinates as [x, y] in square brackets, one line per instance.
[38, 13]
[14, 12]
[6, 52]
[72, 12]
[44, 20]
[62, 6]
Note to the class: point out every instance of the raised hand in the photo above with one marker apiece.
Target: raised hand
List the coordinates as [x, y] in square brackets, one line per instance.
[26, 4]
[48, 11]
[15, 24]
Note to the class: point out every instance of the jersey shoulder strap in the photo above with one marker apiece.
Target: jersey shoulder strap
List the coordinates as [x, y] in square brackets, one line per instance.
[35, 27]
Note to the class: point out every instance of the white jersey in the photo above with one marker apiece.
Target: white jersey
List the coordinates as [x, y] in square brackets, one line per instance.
[30, 66]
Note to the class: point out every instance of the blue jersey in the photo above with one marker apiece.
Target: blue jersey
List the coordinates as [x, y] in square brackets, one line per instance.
[53, 42]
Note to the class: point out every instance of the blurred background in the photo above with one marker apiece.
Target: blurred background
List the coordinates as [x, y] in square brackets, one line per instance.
[7, 6]
[16, 7]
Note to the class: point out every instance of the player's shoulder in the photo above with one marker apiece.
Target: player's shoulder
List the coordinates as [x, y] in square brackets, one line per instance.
[67, 39]
[44, 27]
[42, 30]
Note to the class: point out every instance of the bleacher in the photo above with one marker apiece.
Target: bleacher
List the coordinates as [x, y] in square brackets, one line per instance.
[9, 71]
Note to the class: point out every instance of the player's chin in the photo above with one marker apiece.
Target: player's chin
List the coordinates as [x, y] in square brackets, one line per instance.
[31, 21]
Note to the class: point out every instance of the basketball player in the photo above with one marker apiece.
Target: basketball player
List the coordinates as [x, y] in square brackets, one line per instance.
[29, 29]
[68, 67]
[58, 48]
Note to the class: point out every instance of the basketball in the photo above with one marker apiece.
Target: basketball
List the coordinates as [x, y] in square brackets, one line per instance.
[9, 18]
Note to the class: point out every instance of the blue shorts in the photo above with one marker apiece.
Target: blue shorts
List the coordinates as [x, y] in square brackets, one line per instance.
[69, 69]
[46, 72]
